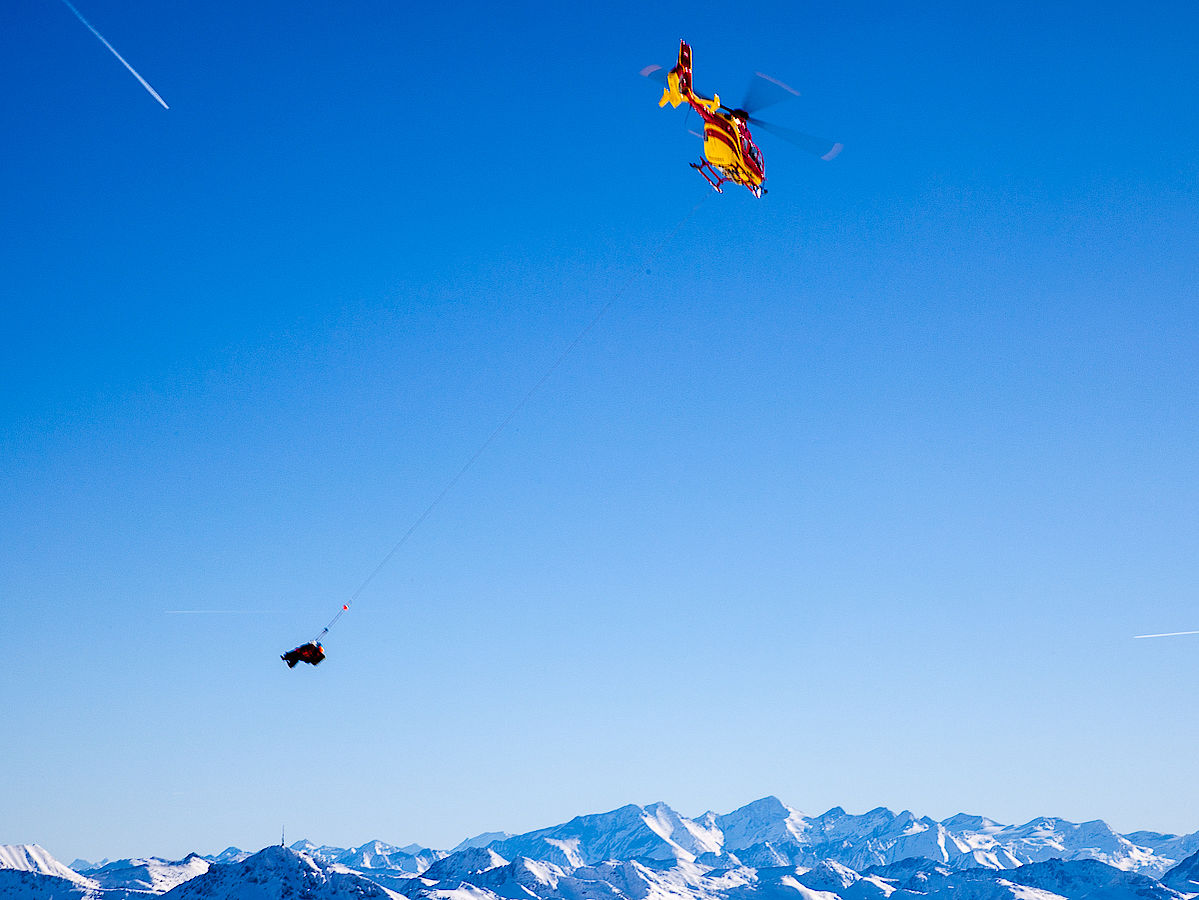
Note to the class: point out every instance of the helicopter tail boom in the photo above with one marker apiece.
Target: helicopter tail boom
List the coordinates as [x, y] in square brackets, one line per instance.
[678, 79]
[678, 85]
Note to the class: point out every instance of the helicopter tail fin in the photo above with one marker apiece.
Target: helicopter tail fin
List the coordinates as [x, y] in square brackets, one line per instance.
[678, 79]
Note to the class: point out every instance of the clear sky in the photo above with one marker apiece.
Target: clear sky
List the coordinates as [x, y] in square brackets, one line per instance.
[856, 495]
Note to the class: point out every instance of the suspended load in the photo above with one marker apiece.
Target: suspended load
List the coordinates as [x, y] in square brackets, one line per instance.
[311, 653]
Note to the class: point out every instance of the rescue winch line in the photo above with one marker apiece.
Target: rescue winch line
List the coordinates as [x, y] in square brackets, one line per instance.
[512, 414]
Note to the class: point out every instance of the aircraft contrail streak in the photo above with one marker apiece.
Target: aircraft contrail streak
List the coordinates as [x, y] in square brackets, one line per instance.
[217, 612]
[1167, 634]
[132, 70]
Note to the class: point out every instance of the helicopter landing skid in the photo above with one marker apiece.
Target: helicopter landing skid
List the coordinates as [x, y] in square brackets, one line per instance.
[711, 175]
[716, 178]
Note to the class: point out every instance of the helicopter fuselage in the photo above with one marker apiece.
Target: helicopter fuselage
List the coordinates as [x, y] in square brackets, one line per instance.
[729, 148]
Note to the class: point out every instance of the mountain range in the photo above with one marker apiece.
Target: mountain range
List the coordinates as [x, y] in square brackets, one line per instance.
[763, 851]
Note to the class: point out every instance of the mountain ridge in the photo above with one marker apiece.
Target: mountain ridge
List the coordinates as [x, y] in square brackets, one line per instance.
[764, 850]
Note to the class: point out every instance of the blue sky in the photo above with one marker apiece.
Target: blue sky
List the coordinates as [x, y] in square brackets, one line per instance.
[855, 495]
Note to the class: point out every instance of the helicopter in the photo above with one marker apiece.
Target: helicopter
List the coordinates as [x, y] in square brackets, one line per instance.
[730, 154]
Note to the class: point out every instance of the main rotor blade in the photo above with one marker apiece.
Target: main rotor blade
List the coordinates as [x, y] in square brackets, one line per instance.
[809, 143]
[654, 73]
[764, 91]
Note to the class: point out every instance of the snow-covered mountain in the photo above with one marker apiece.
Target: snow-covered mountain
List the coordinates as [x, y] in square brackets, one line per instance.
[1081, 879]
[152, 874]
[911, 879]
[765, 821]
[21, 885]
[412, 859]
[1184, 877]
[655, 832]
[482, 840]
[767, 832]
[324, 854]
[1043, 839]
[1167, 846]
[229, 855]
[463, 864]
[32, 858]
[277, 873]
[764, 850]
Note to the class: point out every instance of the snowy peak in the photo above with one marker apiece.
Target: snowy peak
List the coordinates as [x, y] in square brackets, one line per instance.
[767, 832]
[323, 853]
[152, 874]
[964, 822]
[32, 858]
[1047, 838]
[372, 856]
[627, 833]
[768, 820]
[278, 873]
[482, 840]
[690, 837]
[464, 863]
[86, 865]
[230, 855]
[880, 822]
[830, 876]
[378, 855]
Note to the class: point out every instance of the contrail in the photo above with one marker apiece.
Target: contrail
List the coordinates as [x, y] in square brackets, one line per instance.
[217, 612]
[92, 29]
[1167, 634]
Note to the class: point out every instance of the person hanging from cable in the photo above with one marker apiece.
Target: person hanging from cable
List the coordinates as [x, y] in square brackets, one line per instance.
[311, 653]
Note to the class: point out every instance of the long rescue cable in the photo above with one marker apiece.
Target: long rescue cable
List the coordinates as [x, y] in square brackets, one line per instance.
[520, 405]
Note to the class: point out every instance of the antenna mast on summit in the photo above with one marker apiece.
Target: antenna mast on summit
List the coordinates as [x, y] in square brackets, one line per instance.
[283, 837]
